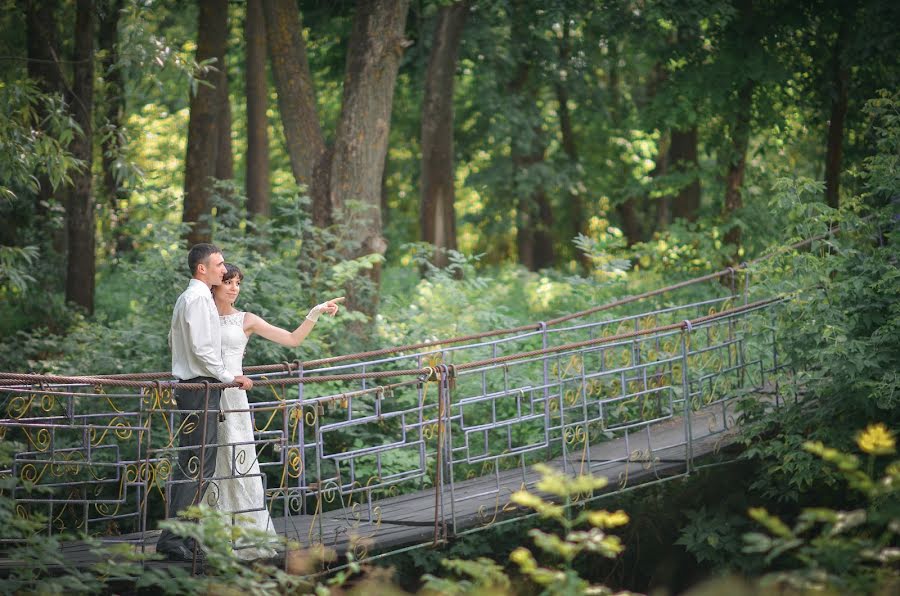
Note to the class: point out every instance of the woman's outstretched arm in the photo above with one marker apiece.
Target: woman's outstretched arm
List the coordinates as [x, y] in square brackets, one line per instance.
[256, 324]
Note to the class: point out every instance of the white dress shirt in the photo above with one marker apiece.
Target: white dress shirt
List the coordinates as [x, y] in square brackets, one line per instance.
[194, 336]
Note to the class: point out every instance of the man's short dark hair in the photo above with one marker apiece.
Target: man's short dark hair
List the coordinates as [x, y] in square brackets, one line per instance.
[199, 253]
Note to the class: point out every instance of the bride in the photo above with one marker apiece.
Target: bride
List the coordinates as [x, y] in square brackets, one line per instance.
[238, 478]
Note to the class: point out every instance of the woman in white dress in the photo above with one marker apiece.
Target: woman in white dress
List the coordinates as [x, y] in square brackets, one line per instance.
[239, 486]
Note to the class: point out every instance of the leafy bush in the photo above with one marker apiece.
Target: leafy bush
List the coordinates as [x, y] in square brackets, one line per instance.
[552, 571]
[839, 345]
[841, 551]
[840, 331]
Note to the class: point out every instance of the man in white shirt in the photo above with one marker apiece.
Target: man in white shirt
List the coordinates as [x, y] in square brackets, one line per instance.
[196, 344]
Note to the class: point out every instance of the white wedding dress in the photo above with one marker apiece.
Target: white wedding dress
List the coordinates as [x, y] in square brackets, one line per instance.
[238, 489]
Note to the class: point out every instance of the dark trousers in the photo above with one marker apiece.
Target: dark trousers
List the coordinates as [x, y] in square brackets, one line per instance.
[199, 432]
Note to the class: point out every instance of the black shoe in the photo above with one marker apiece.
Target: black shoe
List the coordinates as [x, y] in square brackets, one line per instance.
[182, 553]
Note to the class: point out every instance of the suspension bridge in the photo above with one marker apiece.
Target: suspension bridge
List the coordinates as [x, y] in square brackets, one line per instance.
[401, 447]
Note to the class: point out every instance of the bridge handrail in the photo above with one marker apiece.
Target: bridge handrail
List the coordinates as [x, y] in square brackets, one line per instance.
[307, 365]
[428, 373]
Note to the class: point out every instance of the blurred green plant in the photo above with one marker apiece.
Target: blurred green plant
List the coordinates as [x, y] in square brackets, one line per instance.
[685, 249]
[35, 131]
[552, 570]
[833, 550]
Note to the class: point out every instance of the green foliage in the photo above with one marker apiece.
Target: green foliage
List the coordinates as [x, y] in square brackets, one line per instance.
[686, 249]
[35, 131]
[881, 171]
[482, 575]
[15, 265]
[841, 330]
[572, 543]
[604, 253]
[841, 551]
[35, 553]
[839, 346]
[712, 537]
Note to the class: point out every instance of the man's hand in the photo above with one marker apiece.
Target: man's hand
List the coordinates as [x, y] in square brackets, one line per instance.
[328, 307]
[245, 382]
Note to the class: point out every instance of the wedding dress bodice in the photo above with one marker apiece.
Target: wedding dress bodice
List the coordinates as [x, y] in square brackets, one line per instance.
[234, 340]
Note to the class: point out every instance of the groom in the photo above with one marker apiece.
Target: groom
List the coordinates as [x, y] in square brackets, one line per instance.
[196, 358]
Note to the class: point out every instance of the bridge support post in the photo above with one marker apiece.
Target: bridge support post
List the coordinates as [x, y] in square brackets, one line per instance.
[544, 343]
[301, 445]
[688, 409]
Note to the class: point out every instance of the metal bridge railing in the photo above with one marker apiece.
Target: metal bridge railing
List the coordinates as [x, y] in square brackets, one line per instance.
[367, 465]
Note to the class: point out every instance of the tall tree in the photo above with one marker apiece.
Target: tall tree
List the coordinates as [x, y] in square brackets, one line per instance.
[577, 207]
[224, 153]
[534, 217]
[296, 92]
[438, 217]
[737, 159]
[357, 161]
[629, 206]
[42, 38]
[203, 137]
[840, 84]
[843, 52]
[43, 53]
[534, 242]
[748, 35]
[112, 139]
[80, 223]
[344, 178]
[655, 81]
[683, 159]
[660, 169]
[257, 177]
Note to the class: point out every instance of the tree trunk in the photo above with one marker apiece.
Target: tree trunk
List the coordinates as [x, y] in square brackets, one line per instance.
[296, 96]
[438, 218]
[114, 97]
[373, 59]
[663, 203]
[224, 153]
[571, 150]
[112, 144]
[527, 150]
[257, 178]
[628, 208]
[345, 179]
[683, 157]
[579, 215]
[43, 51]
[80, 265]
[544, 249]
[839, 92]
[203, 137]
[43, 44]
[534, 237]
[525, 232]
[631, 226]
[734, 179]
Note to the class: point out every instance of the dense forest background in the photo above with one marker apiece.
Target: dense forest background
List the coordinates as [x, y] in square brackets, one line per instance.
[455, 167]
